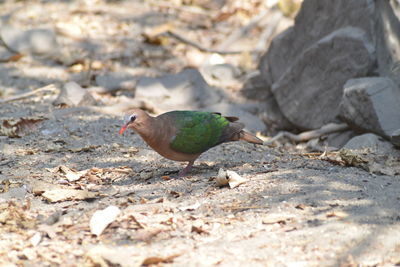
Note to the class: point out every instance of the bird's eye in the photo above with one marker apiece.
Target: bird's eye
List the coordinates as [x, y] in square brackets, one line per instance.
[132, 118]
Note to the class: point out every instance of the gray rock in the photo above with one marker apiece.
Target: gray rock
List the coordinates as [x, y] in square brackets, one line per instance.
[372, 105]
[114, 81]
[257, 88]
[309, 92]
[387, 40]
[304, 79]
[224, 74]
[72, 94]
[395, 138]
[35, 41]
[338, 140]
[15, 192]
[252, 122]
[185, 90]
[372, 153]
[316, 19]
[369, 141]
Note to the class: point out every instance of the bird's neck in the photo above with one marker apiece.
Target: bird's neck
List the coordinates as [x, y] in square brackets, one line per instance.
[152, 132]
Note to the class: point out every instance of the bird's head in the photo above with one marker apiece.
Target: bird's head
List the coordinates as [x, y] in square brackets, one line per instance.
[134, 119]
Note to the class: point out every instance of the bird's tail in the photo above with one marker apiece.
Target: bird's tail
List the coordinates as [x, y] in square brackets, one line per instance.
[249, 137]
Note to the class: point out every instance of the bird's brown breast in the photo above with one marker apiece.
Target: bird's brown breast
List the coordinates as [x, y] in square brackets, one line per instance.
[158, 134]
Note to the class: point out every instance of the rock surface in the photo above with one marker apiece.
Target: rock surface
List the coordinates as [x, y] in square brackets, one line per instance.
[72, 94]
[372, 105]
[387, 30]
[372, 153]
[33, 41]
[252, 122]
[114, 81]
[395, 137]
[184, 90]
[309, 92]
[331, 42]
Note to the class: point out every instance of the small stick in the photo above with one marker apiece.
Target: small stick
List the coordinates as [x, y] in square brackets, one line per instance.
[305, 136]
[241, 32]
[49, 87]
[200, 47]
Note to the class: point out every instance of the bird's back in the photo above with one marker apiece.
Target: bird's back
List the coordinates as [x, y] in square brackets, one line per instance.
[198, 131]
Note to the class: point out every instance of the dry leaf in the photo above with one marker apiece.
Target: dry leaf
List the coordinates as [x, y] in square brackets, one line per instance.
[166, 178]
[338, 213]
[18, 127]
[145, 235]
[58, 195]
[35, 239]
[235, 179]
[229, 177]
[102, 218]
[156, 260]
[190, 207]
[301, 207]
[199, 230]
[71, 174]
[175, 194]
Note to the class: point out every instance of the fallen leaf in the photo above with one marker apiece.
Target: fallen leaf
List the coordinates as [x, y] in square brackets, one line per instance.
[337, 213]
[301, 207]
[18, 127]
[156, 260]
[58, 195]
[199, 230]
[35, 239]
[190, 207]
[102, 218]
[235, 179]
[71, 174]
[145, 235]
[175, 194]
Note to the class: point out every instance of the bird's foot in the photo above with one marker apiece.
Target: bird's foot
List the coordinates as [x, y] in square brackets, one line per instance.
[183, 172]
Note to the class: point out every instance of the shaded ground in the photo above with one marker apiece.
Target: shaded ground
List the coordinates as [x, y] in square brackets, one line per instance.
[294, 210]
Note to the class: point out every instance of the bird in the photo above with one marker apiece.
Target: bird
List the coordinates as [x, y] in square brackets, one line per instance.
[183, 135]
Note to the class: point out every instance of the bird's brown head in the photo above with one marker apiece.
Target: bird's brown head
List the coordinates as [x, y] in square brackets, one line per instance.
[134, 119]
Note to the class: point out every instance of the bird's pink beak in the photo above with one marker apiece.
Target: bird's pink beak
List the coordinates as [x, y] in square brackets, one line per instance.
[123, 129]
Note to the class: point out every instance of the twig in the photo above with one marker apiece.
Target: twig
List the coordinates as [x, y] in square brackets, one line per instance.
[305, 136]
[200, 47]
[189, 9]
[49, 87]
[241, 32]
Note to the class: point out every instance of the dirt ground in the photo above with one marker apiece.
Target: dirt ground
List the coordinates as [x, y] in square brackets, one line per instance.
[293, 209]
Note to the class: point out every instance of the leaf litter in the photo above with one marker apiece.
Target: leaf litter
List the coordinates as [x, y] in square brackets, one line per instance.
[169, 221]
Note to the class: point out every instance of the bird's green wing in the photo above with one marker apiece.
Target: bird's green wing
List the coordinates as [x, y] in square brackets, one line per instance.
[197, 131]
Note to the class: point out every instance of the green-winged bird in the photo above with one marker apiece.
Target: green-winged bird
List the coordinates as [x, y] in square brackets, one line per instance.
[184, 135]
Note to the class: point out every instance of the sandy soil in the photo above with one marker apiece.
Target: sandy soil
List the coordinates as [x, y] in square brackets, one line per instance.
[292, 211]
[295, 209]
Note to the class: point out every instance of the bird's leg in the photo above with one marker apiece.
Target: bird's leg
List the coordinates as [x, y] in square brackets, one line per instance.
[183, 172]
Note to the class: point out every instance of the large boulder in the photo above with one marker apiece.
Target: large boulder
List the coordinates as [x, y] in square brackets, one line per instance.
[252, 122]
[309, 92]
[184, 90]
[372, 105]
[331, 42]
[387, 37]
[316, 20]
